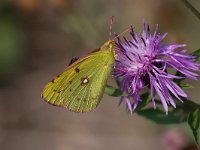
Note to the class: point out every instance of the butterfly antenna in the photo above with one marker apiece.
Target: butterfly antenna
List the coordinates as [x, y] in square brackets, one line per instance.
[118, 35]
[110, 26]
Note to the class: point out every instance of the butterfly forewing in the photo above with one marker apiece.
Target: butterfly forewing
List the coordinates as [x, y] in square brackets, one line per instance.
[81, 86]
[85, 90]
[53, 89]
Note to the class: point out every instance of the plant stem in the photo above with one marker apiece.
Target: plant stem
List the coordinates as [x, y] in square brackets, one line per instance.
[192, 104]
[194, 10]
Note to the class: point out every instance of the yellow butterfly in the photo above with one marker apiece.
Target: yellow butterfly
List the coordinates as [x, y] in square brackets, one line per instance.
[81, 86]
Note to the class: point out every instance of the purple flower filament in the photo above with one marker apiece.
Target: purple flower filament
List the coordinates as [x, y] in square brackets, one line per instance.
[143, 62]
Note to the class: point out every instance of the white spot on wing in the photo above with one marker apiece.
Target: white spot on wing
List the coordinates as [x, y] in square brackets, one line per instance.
[85, 81]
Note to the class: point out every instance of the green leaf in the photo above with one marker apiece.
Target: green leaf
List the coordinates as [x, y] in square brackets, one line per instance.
[146, 99]
[112, 91]
[185, 85]
[158, 116]
[194, 123]
[189, 105]
[118, 82]
[197, 54]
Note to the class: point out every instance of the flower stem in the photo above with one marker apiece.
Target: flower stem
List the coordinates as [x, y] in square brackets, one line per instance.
[194, 10]
[192, 104]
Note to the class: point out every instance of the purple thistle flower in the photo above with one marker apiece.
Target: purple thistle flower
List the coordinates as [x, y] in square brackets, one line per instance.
[143, 62]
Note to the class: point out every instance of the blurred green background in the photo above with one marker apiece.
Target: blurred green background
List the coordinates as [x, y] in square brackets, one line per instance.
[37, 40]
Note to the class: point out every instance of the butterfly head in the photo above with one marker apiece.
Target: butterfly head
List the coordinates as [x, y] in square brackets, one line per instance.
[109, 45]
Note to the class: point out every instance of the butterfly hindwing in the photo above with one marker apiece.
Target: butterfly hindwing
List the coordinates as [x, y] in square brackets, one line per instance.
[81, 86]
